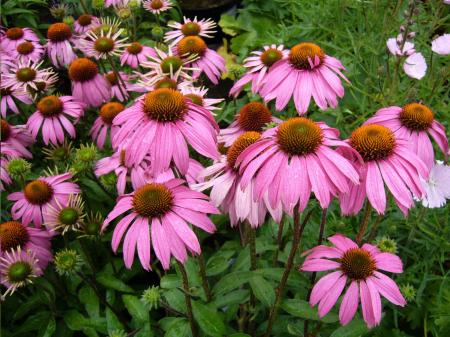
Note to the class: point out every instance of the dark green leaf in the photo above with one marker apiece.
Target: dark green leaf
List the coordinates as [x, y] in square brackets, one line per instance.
[208, 319]
[136, 308]
[231, 281]
[179, 327]
[110, 281]
[301, 308]
[355, 328]
[263, 290]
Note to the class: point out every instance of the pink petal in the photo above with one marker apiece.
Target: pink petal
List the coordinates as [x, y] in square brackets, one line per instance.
[349, 303]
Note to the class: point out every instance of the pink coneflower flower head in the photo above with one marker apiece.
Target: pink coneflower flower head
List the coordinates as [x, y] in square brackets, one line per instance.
[18, 269]
[135, 54]
[63, 217]
[38, 195]
[441, 45]
[59, 47]
[8, 95]
[88, 86]
[382, 158]
[437, 186]
[203, 58]
[293, 159]
[167, 65]
[104, 122]
[84, 23]
[102, 45]
[258, 65]
[307, 72]
[253, 116]
[13, 235]
[414, 122]
[159, 214]
[198, 97]
[224, 178]
[28, 51]
[29, 76]
[15, 36]
[5, 179]
[55, 114]
[117, 87]
[203, 27]
[157, 6]
[360, 267]
[161, 124]
[14, 140]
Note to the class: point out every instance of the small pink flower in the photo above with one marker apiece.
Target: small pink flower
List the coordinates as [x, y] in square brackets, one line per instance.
[84, 23]
[135, 54]
[203, 59]
[104, 122]
[413, 123]
[224, 178]
[38, 195]
[29, 76]
[28, 51]
[102, 46]
[14, 234]
[198, 96]
[15, 36]
[161, 124]
[253, 116]
[14, 140]
[8, 95]
[358, 266]
[294, 159]
[394, 46]
[203, 28]
[382, 158]
[157, 6]
[88, 86]
[54, 114]
[258, 66]
[159, 214]
[307, 72]
[415, 66]
[59, 44]
[441, 44]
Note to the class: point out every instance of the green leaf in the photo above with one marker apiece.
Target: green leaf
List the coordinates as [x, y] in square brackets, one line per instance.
[110, 281]
[301, 308]
[355, 328]
[175, 299]
[74, 320]
[136, 308]
[240, 334]
[179, 327]
[231, 281]
[263, 290]
[48, 330]
[34, 322]
[170, 281]
[208, 319]
[232, 298]
[218, 263]
[90, 301]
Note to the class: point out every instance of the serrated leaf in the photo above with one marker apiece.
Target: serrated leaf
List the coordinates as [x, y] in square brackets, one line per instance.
[136, 308]
[110, 281]
[263, 290]
[355, 328]
[301, 308]
[208, 319]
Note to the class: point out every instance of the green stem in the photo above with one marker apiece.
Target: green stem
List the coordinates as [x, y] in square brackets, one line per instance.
[298, 230]
[251, 235]
[374, 229]
[121, 82]
[205, 284]
[279, 243]
[364, 222]
[187, 297]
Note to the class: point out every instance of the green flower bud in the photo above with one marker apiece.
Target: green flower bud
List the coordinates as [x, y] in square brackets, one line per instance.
[98, 4]
[157, 33]
[86, 153]
[18, 167]
[67, 262]
[123, 13]
[386, 244]
[151, 297]
[69, 20]
[408, 291]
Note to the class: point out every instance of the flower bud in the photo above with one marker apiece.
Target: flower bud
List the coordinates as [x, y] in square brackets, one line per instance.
[18, 167]
[386, 244]
[408, 291]
[68, 262]
[151, 297]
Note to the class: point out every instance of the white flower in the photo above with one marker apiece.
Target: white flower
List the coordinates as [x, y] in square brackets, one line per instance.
[415, 66]
[437, 188]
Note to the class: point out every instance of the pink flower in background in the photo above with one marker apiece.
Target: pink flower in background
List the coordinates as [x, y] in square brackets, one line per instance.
[84, 23]
[441, 44]
[203, 27]
[14, 36]
[382, 158]
[28, 51]
[161, 124]
[14, 140]
[258, 66]
[59, 44]
[360, 268]
[117, 88]
[25, 261]
[8, 95]
[38, 195]
[103, 123]
[226, 193]
[437, 186]
[103, 45]
[413, 123]
[135, 54]
[253, 116]
[28, 76]
[293, 159]
[415, 66]
[14, 234]
[4, 176]
[203, 59]
[198, 97]
[88, 86]
[157, 6]
[159, 214]
[54, 115]
[307, 72]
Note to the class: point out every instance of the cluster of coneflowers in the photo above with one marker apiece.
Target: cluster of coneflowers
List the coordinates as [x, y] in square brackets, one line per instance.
[155, 115]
